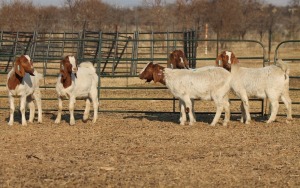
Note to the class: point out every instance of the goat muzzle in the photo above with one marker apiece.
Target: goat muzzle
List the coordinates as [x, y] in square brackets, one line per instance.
[31, 72]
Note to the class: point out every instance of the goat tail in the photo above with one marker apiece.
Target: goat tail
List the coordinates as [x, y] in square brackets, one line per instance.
[284, 67]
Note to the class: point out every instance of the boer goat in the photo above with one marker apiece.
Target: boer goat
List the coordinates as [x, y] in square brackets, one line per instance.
[270, 82]
[77, 83]
[208, 83]
[23, 82]
[177, 60]
[226, 59]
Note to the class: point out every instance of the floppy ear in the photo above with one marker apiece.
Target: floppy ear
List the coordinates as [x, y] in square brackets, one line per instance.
[169, 64]
[171, 61]
[63, 74]
[234, 60]
[158, 74]
[219, 62]
[62, 70]
[19, 70]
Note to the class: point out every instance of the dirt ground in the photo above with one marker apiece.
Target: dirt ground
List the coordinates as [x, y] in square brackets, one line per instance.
[149, 150]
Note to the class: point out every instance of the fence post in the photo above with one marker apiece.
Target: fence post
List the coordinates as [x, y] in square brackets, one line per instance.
[99, 64]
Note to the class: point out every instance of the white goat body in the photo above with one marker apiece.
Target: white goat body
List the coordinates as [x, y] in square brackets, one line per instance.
[270, 82]
[84, 86]
[207, 83]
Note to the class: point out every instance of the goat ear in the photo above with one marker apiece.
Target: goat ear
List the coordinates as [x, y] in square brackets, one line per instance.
[169, 65]
[157, 74]
[19, 70]
[63, 74]
[234, 60]
[171, 61]
[219, 62]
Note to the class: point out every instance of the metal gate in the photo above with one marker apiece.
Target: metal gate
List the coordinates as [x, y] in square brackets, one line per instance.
[141, 49]
[293, 59]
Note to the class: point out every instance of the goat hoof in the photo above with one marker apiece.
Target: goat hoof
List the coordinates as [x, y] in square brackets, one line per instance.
[225, 124]
[72, 122]
[289, 120]
[247, 122]
[10, 124]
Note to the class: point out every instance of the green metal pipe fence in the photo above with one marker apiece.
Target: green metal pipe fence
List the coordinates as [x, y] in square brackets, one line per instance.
[290, 59]
[139, 50]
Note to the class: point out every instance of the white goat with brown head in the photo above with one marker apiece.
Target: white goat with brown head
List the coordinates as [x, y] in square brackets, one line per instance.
[208, 83]
[77, 83]
[23, 82]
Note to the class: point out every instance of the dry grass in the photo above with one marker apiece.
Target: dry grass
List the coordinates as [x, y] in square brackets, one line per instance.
[149, 149]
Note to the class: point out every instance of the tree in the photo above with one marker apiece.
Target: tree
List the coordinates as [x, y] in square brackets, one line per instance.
[19, 15]
[86, 13]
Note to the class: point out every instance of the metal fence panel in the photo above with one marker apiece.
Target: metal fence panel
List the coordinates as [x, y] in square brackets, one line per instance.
[124, 55]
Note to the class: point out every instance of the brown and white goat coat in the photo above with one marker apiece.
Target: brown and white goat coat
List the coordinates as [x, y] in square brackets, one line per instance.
[23, 82]
[74, 83]
[208, 83]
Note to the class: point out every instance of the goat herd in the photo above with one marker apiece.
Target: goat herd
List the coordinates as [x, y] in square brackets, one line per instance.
[206, 83]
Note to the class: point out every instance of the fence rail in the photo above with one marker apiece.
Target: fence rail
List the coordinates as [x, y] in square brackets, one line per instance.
[122, 64]
[285, 57]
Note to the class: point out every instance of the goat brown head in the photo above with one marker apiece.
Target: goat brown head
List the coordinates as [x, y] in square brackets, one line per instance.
[68, 66]
[178, 60]
[23, 65]
[226, 59]
[152, 72]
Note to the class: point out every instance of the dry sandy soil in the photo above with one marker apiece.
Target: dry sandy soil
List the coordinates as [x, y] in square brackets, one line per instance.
[149, 150]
